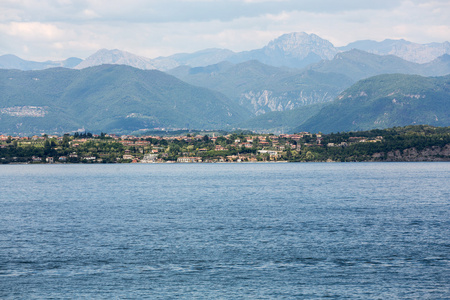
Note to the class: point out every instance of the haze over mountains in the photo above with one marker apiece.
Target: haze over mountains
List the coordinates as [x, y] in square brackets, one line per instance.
[10, 61]
[407, 50]
[295, 50]
[296, 80]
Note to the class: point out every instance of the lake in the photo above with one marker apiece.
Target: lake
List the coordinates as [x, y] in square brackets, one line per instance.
[230, 231]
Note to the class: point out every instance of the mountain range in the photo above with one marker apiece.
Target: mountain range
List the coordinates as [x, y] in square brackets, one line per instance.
[295, 50]
[262, 88]
[378, 102]
[10, 61]
[122, 99]
[296, 82]
[418, 53]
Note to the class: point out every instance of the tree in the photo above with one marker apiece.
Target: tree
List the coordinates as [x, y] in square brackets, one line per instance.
[174, 149]
[221, 140]
[310, 155]
[288, 154]
[65, 141]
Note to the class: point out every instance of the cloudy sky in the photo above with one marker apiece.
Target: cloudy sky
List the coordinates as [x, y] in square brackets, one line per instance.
[57, 29]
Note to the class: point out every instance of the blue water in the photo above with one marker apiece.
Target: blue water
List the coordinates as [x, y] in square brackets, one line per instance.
[230, 231]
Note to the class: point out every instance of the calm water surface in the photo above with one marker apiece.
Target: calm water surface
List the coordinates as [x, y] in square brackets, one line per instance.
[230, 231]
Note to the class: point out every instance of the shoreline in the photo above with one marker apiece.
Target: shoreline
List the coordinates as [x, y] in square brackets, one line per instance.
[259, 162]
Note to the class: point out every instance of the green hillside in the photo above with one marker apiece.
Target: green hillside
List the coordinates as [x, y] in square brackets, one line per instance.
[261, 88]
[386, 101]
[109, 98]
[232, 80]
[122, 99]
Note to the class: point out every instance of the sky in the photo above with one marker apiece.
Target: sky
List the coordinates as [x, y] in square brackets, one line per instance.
[42, 30]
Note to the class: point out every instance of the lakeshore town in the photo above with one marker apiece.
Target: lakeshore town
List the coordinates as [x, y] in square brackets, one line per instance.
[410, 143]
[110, 148]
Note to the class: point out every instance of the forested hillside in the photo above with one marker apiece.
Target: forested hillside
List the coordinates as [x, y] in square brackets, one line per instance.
[386, 101]
[107, 98]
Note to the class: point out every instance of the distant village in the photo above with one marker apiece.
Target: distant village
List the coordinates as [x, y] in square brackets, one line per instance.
[195, 148]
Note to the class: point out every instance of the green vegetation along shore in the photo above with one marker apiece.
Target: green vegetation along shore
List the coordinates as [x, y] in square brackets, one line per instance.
[411, 143]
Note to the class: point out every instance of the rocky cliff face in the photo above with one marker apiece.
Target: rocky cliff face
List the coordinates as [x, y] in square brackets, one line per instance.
[412, 154]
[261, 102]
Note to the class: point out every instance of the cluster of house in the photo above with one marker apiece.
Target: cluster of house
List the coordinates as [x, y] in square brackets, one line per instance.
[269, 147]
[26, 138]
[248, 142]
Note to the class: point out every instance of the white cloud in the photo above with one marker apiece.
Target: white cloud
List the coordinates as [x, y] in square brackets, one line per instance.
[57, 29]
[90, 14]
[32, 31]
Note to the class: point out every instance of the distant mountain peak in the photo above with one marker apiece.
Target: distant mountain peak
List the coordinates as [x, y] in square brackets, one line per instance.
[296, 38]
[418, 53]
[10, 61]
[301, 44]
[117, 57]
